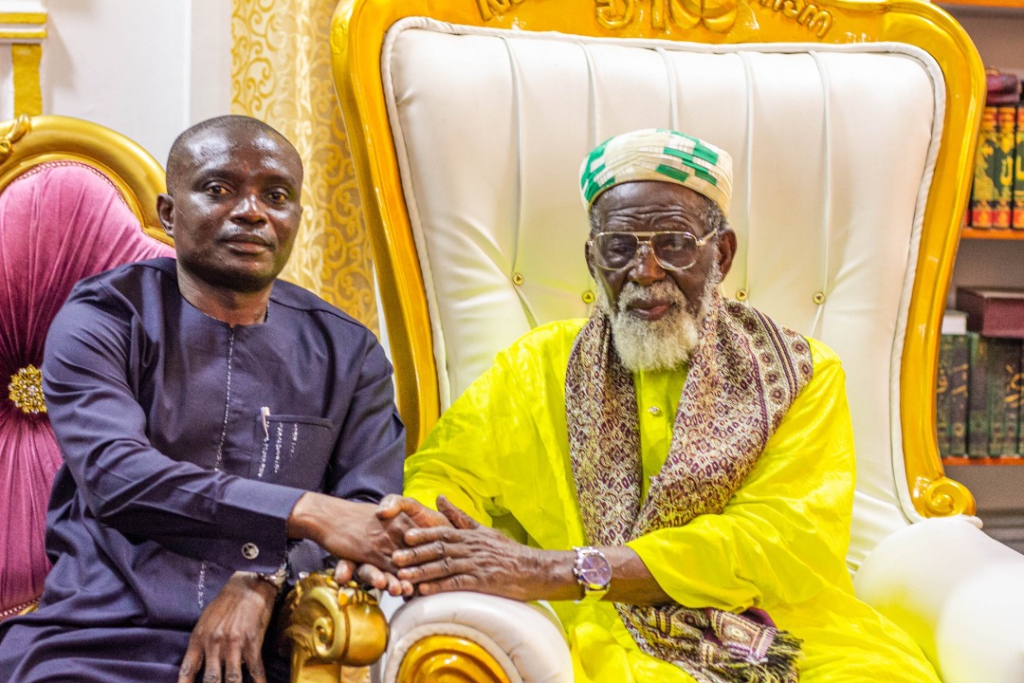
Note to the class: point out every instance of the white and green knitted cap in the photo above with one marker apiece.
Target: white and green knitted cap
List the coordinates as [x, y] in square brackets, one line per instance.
[658, 154]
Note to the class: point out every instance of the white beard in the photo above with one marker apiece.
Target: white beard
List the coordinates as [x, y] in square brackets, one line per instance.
[661, 344]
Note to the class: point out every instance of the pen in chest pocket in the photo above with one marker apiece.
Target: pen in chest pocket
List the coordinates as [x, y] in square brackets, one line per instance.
[264, 415]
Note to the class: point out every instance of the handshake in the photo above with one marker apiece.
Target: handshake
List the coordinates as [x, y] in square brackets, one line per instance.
[405, 548]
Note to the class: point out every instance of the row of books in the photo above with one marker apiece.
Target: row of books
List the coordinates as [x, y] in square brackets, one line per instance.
[997, 196]
[979, 406]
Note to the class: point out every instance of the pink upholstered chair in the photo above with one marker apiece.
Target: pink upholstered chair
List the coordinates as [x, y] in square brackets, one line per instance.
[76, 199]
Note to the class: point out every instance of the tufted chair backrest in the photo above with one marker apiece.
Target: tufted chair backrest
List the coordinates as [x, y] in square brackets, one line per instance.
[63, 217]
[848, 186]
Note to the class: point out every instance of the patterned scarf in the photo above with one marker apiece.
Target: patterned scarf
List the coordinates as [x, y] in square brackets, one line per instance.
[744, 374]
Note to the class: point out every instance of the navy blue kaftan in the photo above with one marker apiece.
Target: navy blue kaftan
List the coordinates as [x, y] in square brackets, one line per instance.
[173, 479]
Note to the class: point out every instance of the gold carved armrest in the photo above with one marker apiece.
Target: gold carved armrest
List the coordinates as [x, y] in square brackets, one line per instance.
[327, 626]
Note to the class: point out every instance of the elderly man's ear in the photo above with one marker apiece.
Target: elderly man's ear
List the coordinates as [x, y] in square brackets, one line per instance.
[726, 251]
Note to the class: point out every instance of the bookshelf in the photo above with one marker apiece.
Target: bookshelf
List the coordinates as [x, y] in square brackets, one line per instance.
[995, 27]
[989, 234]
[982, 462]
[992, 258]
[988, 4]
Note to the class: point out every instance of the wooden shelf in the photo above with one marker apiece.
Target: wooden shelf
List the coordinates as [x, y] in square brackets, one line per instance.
[1004, 4]
[991, 234]
[982, 461]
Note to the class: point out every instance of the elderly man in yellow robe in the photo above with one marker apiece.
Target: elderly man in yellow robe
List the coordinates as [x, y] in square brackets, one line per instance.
[675, 474]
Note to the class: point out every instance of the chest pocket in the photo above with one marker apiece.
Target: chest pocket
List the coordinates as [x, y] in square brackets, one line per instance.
[292, 450]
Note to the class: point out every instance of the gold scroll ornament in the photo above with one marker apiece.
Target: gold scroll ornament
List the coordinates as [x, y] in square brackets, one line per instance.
[449, 659]
[328, 627]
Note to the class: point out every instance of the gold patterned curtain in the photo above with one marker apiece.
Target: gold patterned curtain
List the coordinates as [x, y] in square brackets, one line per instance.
[281, 74]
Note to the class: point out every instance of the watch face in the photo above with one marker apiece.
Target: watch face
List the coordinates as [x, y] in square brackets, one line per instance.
[595, 570]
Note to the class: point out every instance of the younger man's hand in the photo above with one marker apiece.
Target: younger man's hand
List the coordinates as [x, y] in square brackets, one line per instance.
[230, 631]
[369, 575]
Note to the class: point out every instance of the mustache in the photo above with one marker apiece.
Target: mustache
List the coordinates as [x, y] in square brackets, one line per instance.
[632, 293]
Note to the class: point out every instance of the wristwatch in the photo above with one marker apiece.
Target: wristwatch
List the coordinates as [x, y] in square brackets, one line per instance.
[593, 571]
[276, 579]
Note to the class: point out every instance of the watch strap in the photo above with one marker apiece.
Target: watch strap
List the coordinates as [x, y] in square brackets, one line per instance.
[278, 578]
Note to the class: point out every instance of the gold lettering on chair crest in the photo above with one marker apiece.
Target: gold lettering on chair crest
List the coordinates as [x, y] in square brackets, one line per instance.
[616, 14]
[488, 8]
[716, 15]
[818, 21]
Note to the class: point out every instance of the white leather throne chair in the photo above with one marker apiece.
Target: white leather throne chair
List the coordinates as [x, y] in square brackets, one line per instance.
[852, 130]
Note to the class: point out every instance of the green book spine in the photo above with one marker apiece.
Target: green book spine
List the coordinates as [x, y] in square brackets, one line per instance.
[996, 395]
[977, 396]
[1018, 173]
[942, 412]
[1011, 397]
[1002, 163]
[983, 190]
[957, 390]
[1020, 412]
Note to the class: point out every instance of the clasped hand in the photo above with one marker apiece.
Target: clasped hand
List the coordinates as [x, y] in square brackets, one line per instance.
[444, 551]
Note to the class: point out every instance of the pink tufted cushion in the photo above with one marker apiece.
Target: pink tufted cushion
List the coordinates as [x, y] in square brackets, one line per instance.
[59, 222]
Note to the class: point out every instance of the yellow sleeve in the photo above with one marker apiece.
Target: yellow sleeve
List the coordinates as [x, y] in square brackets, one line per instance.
[783, 536]
[463, 455]
[499, 450]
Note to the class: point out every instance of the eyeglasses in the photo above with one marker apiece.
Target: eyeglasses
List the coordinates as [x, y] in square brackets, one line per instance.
[673, 250]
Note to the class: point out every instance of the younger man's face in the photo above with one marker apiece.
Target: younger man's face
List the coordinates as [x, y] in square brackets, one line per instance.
[234, 209]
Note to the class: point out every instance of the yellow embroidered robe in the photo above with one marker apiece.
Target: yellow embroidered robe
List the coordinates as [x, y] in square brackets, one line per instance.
[501, 454]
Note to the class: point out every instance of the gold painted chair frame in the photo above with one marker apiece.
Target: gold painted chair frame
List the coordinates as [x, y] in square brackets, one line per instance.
[27, 142]
[911, 576]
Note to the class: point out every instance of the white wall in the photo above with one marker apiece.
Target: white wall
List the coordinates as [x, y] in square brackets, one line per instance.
[145, 68]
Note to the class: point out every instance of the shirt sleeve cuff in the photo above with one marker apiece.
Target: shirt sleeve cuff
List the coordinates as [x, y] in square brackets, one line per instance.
[258, 511]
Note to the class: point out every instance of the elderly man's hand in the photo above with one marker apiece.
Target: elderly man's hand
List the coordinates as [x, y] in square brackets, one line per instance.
[467, 557]
[229, 633]
[393, 505]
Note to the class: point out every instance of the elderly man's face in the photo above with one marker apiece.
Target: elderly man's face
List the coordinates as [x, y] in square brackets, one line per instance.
[234, 211]
[655, 311]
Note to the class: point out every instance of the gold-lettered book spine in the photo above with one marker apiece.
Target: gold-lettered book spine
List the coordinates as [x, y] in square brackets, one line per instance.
[1018, 173]
[1002, 206]
[983, 190]
[957, 389]
[942, 404]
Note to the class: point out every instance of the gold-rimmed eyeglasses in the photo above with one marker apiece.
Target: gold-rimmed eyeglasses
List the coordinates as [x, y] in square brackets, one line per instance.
[673, 250]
